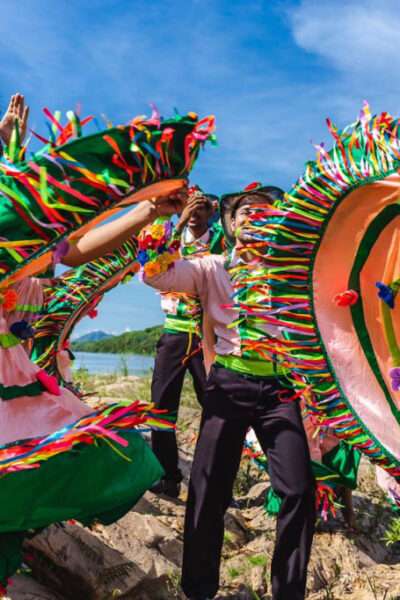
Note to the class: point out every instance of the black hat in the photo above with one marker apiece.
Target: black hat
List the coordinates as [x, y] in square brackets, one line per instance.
[230, 202]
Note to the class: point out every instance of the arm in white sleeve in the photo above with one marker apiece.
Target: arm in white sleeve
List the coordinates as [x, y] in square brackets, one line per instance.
[185, 276]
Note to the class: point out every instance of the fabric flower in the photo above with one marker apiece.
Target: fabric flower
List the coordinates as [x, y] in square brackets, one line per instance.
[157, 231]
[142, 257]
[152, 269]
[385, 293]
[395, 377]
[175, 245]
[9, 300]
[146, 242]
[347, 298]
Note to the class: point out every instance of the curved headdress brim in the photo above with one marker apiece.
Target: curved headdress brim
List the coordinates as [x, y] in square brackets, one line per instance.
[64, 190]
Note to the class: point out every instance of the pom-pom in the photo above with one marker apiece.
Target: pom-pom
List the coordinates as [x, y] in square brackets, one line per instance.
[347, 298]
[395, 377]
[49, 382]
[252, 186]
[60, 251]
[385, 293]
[93, 313]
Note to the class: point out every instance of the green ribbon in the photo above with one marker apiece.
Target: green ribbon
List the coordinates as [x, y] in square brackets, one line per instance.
[9, 340]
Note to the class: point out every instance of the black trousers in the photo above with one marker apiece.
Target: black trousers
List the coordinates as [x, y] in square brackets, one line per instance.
[232, 404]
[166, 388]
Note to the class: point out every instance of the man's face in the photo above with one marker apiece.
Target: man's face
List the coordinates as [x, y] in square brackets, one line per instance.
[200, 216]
[241, 219]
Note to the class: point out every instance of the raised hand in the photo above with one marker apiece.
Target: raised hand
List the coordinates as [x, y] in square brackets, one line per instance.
[193, 203]
[171, 204]
[16, 112]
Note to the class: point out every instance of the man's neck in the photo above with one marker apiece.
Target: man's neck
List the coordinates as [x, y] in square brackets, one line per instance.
[198, 232]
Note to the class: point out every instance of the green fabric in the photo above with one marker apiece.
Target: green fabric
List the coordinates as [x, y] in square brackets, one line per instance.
[9, 392]
[272, 502]
[9, 340]
[339, 467]
[175, 324]
[247, 366]
[90, 482]
[10, 554]
[344, 461]
[217, 238]
[384, 218]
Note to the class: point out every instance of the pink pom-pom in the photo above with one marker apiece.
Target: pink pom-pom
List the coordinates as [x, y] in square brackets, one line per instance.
[49, 382]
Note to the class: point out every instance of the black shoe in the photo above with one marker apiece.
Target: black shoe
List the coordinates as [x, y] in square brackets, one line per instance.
[167, 487]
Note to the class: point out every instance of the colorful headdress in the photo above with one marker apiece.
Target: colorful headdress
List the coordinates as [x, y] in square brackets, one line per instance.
[68, 187]
[333, 266]
[229, 203]
[196, 190]
[74, 295]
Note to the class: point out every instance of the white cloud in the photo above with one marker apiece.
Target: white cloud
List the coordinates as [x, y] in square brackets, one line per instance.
[355, 37]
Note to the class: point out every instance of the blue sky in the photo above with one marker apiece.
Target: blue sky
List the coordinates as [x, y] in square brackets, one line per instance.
[271, 71]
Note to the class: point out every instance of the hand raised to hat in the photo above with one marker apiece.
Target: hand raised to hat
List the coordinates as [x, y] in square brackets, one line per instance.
[170, 204]
[195, 200]
[16, 112]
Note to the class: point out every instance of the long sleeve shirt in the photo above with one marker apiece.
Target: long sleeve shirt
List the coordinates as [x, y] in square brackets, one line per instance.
[208, 278]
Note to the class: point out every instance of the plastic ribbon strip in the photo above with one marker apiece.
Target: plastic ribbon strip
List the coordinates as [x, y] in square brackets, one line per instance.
[68, 184]
[102, 423]
[74, 295]
[363, 153]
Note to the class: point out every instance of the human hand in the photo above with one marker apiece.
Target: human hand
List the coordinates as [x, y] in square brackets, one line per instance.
[192, 205]
[16, 112]
[170, 204]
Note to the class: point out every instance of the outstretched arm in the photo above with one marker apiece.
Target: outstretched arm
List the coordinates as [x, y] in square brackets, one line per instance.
[108, 237]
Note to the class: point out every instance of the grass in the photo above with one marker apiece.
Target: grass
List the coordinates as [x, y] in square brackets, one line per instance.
[258, 560]
[392, 533]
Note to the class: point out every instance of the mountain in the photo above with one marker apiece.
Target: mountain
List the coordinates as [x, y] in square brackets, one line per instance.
[131, 342]
[92, 336]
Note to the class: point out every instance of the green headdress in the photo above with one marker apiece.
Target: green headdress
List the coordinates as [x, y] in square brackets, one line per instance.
[69, 186]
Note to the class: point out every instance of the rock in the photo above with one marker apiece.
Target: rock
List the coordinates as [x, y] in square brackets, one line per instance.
[139, 557]
[78, 565]
[26, 588]
[256, 494]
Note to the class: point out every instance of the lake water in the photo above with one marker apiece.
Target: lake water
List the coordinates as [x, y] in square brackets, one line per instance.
[98, 362]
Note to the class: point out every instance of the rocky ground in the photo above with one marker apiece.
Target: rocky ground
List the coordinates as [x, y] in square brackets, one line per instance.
[138, 558]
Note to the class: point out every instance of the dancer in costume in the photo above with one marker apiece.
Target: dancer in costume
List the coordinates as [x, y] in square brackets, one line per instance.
[179, 347]
[63, 188]
[244, 389]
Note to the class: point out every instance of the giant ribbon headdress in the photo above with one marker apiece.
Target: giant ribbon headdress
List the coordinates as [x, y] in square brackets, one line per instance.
[74, 295]
[333, 240]
[68, 187]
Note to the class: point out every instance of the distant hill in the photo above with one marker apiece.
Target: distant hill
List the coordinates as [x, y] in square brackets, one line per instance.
[93, 336]
[131, 342]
